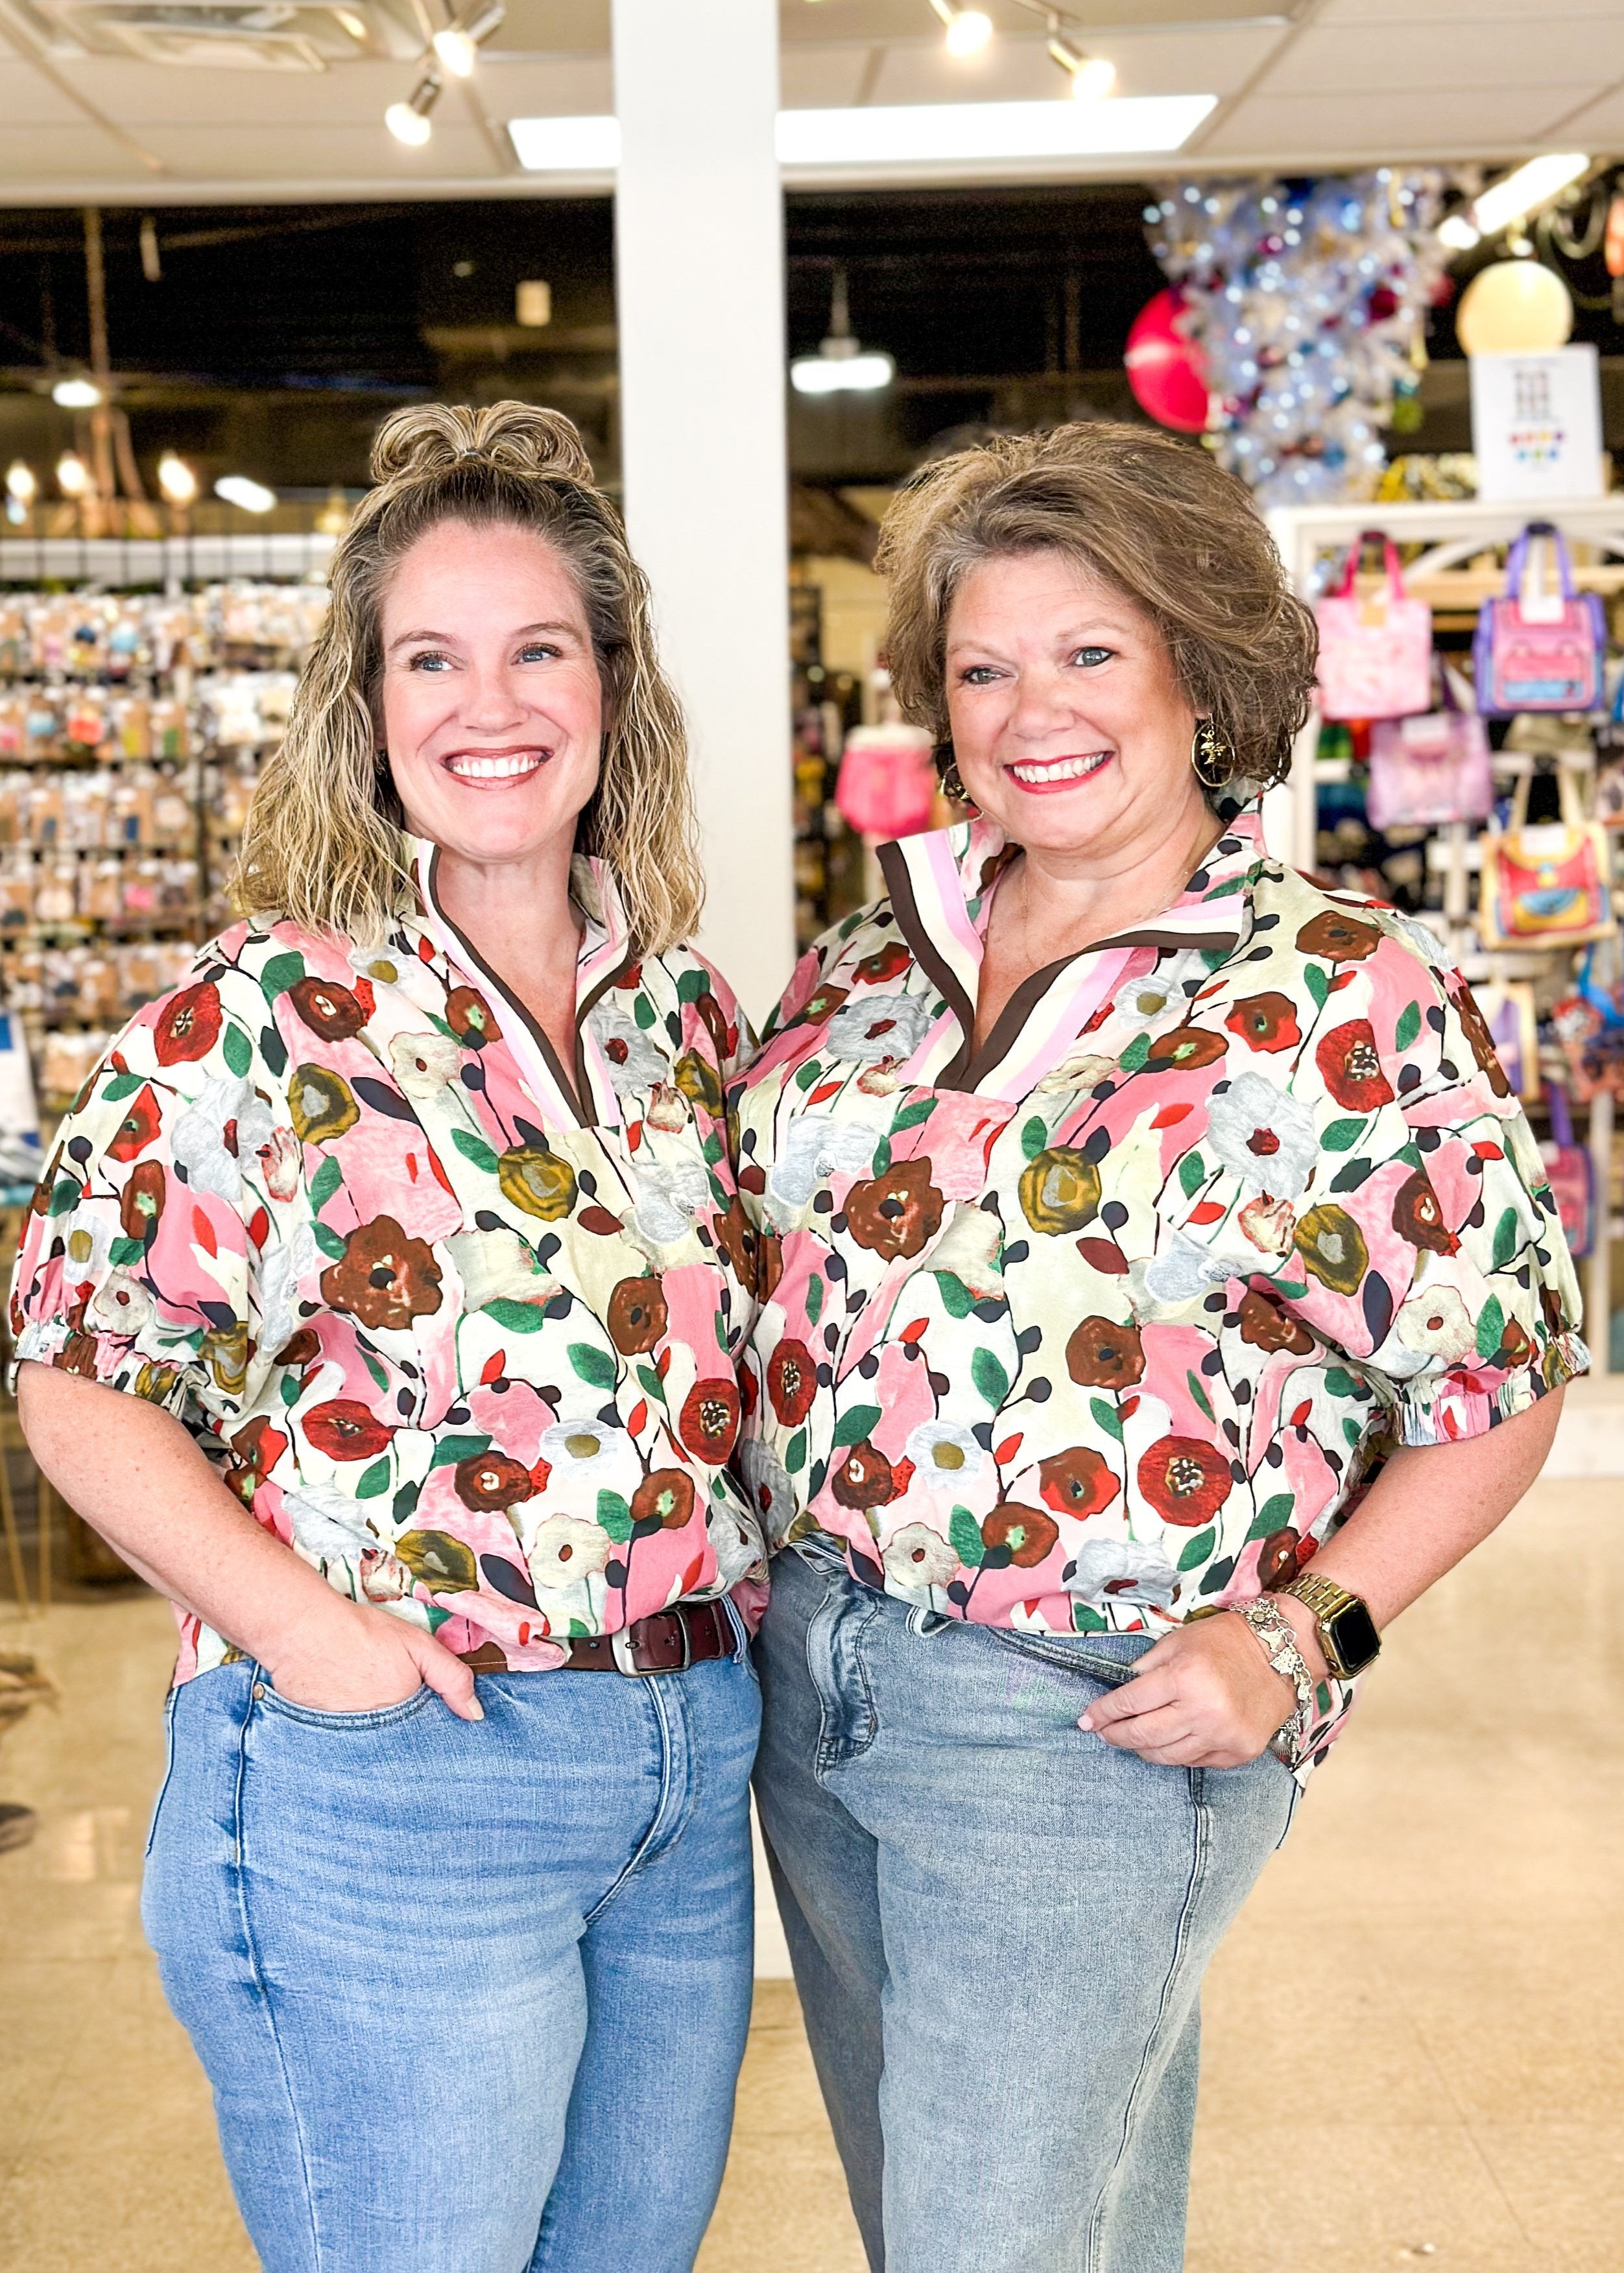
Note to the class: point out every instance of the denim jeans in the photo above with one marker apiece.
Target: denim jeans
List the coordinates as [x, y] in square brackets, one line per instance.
[998, 1927]
[470, 1995]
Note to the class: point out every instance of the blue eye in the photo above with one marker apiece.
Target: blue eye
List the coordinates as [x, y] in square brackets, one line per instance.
[1091, 657]
[429, 661]
[538, 651]
[979, 674]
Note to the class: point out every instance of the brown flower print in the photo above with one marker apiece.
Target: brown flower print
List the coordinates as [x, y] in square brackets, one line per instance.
[471, 1018]
[1332, 1246]
[1268, 1327]
[1186, 1048]
[345, 1430]
[493, 1481]
[863, 1478]
[895, 1214]
[740, 1242]
[637, 1315]
[723, 1038]
[665, 1496]
[437, 1561]
[384, 1278]
[1017, 1534]
[320, 1105]
[188, 1025]
[299, 1348]
[1186, 1480]
[140, 1203]
[822, 1004]
[328, 1010]
[139, 1126]
[1059, 1189]
[1265, 1022]
[536, 1181]
[1277, 1559]
[1476, 1027]
[1104, 1354]
[1351, 1065]
[769, 1265]
[1418, 1217]
[1078, 1481]
[792, 1381]
[1338, 938]
[709, 1421]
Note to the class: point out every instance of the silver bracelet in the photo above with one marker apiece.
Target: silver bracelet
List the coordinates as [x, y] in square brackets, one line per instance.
[1277, 1638]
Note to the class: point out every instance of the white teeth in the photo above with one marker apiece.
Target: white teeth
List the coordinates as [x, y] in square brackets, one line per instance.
[1062, 768]
[469, 768]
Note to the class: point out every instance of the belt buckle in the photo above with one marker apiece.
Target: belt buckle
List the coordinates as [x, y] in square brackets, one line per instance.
[624, 1654]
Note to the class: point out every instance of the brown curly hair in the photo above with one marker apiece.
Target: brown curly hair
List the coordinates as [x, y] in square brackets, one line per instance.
[1161, 523]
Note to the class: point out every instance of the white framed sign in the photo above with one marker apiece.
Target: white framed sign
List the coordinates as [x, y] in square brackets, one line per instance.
[1537, 424]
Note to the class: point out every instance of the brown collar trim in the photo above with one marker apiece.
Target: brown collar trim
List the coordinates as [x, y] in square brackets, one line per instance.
[894, 868]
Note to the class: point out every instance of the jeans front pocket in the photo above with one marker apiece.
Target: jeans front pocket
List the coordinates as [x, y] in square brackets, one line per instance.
[1108, 1658]
[169, 1771]
[381, 1716]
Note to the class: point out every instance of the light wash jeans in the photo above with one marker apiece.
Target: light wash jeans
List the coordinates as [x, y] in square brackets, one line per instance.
[998, 1927]
[472, 1996]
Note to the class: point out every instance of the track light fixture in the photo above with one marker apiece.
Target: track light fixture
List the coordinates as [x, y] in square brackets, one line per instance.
[458, 45]
[969, 30]
[454, 49]
[408, 121]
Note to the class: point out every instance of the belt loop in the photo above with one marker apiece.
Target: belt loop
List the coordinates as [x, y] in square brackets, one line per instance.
[741, 1631]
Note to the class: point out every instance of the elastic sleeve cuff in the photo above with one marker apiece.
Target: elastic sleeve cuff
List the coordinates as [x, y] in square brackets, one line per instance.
[42, 1340]
[1446, 1411]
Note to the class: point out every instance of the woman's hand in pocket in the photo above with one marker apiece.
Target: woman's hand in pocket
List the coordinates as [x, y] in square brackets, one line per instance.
[1206, 1696]
[356, 1659]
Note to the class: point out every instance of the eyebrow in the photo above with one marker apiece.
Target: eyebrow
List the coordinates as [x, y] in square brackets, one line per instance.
[448, 639]
[1076, 636]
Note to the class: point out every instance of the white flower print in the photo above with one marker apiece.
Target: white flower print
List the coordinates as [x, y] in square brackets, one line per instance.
[635, 1061]
[877, 1026]
[1133, 1574]
[1181, 1270]
[1438, 1325]
[817, 1145]
[87, 1242]
[378, 963]
[946, 1458]
[327, 1521]
[732, 1544]
[1264, 1135]
[767, 1484]
[495, 1264]
[123, 1303]
[668, 1108]
[1151, 999]
[199, 1137]
[281, 1269]
[669, 1194]
[565, 1551]
[917, 1557]
[281, 1157]
[424, 1062]
[969, 1248]
[587, 1452]
[383, 1577]
[1080, 1068]
[1268, 1224]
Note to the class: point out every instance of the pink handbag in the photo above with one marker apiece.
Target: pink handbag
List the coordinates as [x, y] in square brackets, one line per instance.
[1527, 656]
[1427, 771]
[887, 783]
[1375, 649]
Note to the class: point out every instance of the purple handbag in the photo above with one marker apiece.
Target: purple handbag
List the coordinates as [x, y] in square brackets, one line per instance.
[1540, 659]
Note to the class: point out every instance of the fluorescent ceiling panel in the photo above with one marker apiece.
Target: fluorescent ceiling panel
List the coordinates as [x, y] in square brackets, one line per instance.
[908, 134]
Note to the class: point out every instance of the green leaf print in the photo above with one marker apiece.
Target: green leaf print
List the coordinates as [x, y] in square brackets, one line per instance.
[1317, 980]
[325, 1182]
[1507, 1239]
[1035, 1137]
[1198, 1395]
[649, 1381]
[909, 1116]
[238, 1051]
[1408, 1026]
[328, 1240]
[122, 1085]
[956, 1296]
[375, 1479]
[475, 1149]
[692, 984]
[856, 1423]
[615, 1517]
[644, 1012]
[808, 1074]
[988, 1376]
[1192, 1175]
[1136, 1052]
[124, 1254]
[1105, 1417]
[1200, 1548]
[1274, 1515]
[405, 1503]
[795, 1452]
[882, 1157]
[1491, 1327]
[1215, 1581]
[380, 1377]
[813, 1300]
[1340, 1382]
[964, 1537]
[1342, 1136]
[516, 1318]
[594, 1366]
[65, 1194]
[450, 1450]
[281, 972]
[1086, 1621]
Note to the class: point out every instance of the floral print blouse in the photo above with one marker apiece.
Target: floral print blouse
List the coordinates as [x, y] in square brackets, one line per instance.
[455, 1321]
[1108, 1322]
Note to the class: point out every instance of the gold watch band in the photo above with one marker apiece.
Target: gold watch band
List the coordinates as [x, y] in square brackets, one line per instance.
[1323, 1596]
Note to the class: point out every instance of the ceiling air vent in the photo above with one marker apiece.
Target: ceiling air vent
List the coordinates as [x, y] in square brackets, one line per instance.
[287, 35]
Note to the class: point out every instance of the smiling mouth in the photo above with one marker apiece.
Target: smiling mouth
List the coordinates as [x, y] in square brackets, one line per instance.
[1044, 773]
[494, 769]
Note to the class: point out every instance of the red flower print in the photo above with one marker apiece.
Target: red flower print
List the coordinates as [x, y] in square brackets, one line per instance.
[792, 1381]
[1078, 1482]
[1268, 1327]
[138, 1129]
[863, 1478]
[1103, 1354]
[1348, 1059]
[1184, 1048]
[1418, 1217]
[384, 1278]
[1338, 938]
[710, 1418]
[328, 1010]
[637, 1315]
[666, 1497]
[187, 1025]
[723, 1038]
[1017, 1534]
[1186, 1480]
[140, 1203]
[1265, 1022]
[886, 963]
[492, 1480]
[346, 1430]
[895, 1214]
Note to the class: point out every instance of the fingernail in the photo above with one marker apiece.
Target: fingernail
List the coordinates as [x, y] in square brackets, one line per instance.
[476, 1710]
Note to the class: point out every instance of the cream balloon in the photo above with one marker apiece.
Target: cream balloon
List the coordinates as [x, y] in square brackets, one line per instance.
[1516, 307]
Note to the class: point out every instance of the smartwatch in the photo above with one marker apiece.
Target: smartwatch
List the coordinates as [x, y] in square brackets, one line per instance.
[1347, 1631]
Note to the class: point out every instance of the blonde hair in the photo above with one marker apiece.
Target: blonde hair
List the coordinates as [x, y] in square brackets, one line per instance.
[1160, 521]
[323, 846]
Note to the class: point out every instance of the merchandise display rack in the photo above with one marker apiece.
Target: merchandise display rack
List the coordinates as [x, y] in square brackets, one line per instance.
[1451, 534]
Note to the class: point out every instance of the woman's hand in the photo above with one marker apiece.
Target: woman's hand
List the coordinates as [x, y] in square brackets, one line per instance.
[1206, 1696]
[357, 1658]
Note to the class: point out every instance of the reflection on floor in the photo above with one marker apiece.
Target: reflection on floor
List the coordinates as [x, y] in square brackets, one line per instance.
[1414, 2034]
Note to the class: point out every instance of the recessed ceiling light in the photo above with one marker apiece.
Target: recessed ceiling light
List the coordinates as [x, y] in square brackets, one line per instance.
[566, 145]
[76, 394]
[1531, 185]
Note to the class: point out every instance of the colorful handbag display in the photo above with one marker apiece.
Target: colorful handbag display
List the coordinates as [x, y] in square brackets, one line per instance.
[1427, 771]
[887, 783]
[1534, 651]
[1550, 885]
[1375, 649]
[1571, 1177]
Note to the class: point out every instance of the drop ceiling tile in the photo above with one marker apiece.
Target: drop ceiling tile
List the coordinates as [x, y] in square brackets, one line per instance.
[1568, 50]
[321, 153]
[66, 155]
[1306, 129]
[1022, 71]
[563, 87]
[27, 98]
[1464, 15]
[142, 95]
[1601, 123]
[820, 78]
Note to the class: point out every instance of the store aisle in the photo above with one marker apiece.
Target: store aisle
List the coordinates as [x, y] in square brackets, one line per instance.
[1416, 2033]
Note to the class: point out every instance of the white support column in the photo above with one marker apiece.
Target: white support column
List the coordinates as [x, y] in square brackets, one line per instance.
[699, 259]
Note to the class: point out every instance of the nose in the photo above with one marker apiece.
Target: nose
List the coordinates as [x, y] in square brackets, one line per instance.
[490, 701]
[1043, 706]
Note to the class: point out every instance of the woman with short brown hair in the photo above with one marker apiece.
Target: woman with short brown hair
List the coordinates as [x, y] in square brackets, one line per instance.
[1144, 1233]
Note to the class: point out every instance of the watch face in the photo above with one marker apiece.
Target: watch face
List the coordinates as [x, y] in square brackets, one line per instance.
[1351, 1633]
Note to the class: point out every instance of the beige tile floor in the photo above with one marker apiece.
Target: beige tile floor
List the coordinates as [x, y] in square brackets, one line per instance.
[1415, 2033]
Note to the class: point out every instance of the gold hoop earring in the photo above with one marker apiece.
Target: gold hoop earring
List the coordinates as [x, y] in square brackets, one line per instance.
[1212, 755]
[947, 769]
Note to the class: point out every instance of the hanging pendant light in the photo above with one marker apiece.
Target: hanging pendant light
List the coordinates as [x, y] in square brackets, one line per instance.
[841, 367]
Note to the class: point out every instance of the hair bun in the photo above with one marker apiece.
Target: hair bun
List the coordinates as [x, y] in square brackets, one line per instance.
[520, 438]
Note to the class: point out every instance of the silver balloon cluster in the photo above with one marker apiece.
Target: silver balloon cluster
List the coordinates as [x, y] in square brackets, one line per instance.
[1309, 301]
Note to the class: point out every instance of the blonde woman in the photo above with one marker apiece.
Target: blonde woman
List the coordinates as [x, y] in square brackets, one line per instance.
[379, 1304]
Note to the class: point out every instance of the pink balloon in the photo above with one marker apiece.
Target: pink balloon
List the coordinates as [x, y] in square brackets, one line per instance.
[1165, 369]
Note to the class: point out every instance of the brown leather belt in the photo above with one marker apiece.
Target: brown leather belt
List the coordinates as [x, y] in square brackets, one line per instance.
[668, 1642]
